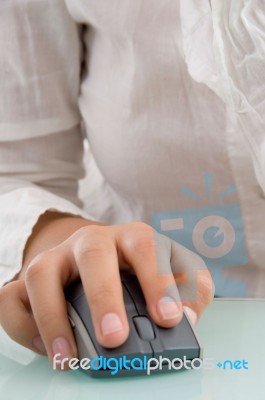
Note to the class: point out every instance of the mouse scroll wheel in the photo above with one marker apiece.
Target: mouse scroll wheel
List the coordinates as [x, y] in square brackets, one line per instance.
[144, 328]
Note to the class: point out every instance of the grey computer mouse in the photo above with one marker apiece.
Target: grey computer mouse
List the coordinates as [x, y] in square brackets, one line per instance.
[147, 342]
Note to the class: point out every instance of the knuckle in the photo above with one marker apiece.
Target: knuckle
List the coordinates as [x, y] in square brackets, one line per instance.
[36, 268]
[197, 262]
[143, 244]
[102, 295]
[141, 226]
[140, 240]
[86, 251]
[7, 291]
[206, 287]
[139, 245]
[184, 258]
[48, 318]
[92, 242]
[143, 231]
[90, 230]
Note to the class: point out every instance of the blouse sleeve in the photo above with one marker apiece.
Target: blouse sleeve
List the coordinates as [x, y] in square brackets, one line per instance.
[36, 175]
[41, 145]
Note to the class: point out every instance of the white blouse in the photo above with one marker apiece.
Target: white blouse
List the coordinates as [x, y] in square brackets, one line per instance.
[170, 95]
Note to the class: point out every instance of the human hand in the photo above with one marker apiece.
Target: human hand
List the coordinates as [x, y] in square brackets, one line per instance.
[33, 309]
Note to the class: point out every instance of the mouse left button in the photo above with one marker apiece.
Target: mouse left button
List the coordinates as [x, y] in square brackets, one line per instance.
[84, 342]
[71, 322]
[73, 291]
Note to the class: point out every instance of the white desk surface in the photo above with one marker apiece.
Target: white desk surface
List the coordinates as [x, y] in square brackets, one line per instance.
[229, 329]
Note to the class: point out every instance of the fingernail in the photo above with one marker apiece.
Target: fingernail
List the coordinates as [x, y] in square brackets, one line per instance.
[39, 345]
[61, 346]
[111, 323]
[191, 314]
[168, 308]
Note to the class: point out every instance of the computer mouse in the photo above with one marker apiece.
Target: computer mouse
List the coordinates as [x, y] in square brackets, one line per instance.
[148, 349]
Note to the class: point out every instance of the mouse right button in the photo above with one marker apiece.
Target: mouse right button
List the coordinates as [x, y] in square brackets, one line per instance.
[176, 342]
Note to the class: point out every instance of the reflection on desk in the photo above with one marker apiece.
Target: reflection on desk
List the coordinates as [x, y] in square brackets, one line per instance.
[229, 330]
